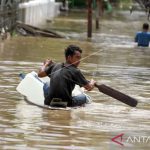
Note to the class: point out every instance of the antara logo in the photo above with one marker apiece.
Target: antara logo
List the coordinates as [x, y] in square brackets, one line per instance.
[130, 139]
[118, 139]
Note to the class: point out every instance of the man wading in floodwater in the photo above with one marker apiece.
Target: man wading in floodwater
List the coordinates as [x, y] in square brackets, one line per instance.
[64, 76]
[143, 37]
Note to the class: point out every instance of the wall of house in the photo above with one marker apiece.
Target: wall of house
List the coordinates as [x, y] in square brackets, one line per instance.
[37, 12]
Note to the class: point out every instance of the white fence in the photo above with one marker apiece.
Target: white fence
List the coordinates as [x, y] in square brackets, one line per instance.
[37, 12]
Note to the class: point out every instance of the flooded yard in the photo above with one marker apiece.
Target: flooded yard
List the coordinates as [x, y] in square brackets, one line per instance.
[112, 58]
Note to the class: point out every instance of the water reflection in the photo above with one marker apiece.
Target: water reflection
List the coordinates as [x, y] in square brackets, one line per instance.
[25, 116]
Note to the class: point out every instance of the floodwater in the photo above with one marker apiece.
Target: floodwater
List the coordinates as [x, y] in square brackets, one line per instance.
[111, 58]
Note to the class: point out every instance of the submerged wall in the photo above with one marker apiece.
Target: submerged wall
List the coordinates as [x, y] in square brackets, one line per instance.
[37, 12]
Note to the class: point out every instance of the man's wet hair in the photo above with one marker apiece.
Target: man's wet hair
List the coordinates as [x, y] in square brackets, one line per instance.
[71, 49]
[146, 26]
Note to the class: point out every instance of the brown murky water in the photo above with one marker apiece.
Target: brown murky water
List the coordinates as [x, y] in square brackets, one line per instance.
[117, 63]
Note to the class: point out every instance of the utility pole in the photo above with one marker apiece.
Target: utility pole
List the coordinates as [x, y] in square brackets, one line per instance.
[97, 12]
[89, 5]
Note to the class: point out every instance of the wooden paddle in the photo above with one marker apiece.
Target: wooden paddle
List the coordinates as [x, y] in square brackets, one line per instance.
[117, 95]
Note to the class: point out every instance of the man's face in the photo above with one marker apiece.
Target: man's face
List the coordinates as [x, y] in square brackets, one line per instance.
[75, 59]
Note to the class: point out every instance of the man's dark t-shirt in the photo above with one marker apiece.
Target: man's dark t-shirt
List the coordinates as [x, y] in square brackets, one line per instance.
[63, 80]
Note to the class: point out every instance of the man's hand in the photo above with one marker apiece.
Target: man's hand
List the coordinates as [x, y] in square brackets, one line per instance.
[47, 62]
[42, 72]
[90, 85]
